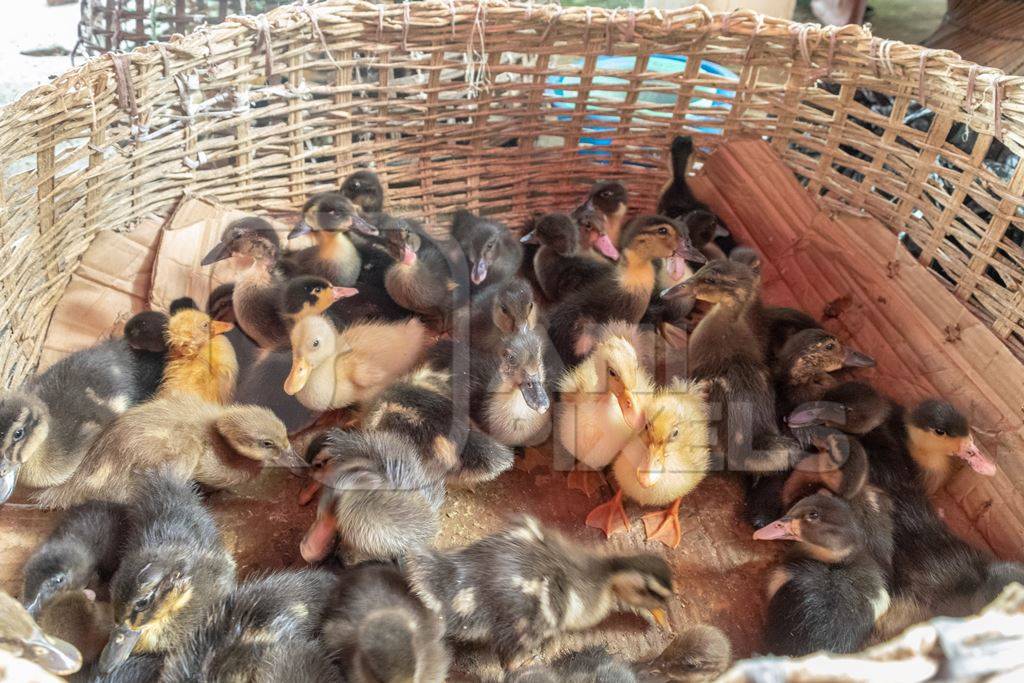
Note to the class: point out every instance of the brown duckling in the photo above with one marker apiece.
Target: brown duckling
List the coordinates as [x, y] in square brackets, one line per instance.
[830, 591]
[517, 589]
[145, 334]
[601, 217]
[420, 279]
[625, 293]
[364, 190]
[217, 446]
[559, 264]
[78, 618]
[500, 311]
[175, 568]
[82, 550]
[330, 216]
[492, 252]
[48, 424]
[307, 295]
[22, 637]
[803, 365]
[378, 632]
[200, 360]
[256, 294]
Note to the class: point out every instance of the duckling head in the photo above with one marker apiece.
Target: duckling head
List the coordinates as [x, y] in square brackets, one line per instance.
[250, 237]
[720, 281]
[675, 428]
[824, 525]
[606, 204]
[401, 241]
[936, 429]
[658, 237]
[810, 352]
[146, 331]
[55, 569]
[314, 341]
[189, 329]
[148, 591]
[331, 212]
[513, 308]
[24, 426]
[703, 226]
[619, 373]
[20, 635]
[642, 583]
[81, 620]
[484, 247]
[557, 231]
[363, 189]
[311, 295]
[522, 367]
[257, 434]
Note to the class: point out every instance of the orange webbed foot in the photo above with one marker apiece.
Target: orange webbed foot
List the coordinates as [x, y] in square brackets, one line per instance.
[663, 525]
[589, 482]
[609, 517]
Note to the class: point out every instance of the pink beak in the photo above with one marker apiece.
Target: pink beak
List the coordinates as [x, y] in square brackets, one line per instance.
[779, 530]
[408, 256]
[978, 461]
[603, 244]
[343, 292]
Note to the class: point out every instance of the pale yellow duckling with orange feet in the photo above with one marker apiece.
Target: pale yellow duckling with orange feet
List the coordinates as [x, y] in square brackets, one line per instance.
[664, 463]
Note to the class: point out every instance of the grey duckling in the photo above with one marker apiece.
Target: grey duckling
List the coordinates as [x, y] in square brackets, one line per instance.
[364, 190]
[500, 311]
[492, 252]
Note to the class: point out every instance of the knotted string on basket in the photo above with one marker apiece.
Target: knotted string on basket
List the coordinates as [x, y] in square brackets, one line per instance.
[748, 56]
[476, 68]
[881, 54]
[318, 33]
[922, 68]
[997, 105]
[263, 41]
[406, 20]
[455, 13]
[122, 64]
[552, 20]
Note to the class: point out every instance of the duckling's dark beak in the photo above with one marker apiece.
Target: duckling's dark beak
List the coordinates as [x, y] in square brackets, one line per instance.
[785, 529]
[53, 654]
[684, 288]
[686, 250]
[534, 394]
[856, 359]
[978, 461]
[303, 228]
[720, 231]
[8, 478]
[816, 413]
[530, 238]
[479, 273]
[363, 226]
[220, 252]
[119, 648]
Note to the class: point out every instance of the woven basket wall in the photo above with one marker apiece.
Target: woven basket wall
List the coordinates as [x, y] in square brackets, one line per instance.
[123, 24]
[452, 104]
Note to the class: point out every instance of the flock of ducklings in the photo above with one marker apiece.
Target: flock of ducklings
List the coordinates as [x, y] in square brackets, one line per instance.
[640, 363]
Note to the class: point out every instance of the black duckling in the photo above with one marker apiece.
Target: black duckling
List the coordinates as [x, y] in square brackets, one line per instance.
[174, 569]
[48, 424]
[21, 636]
[307, 295]
[625, 292]
[145, 335]
[560, 265]
[677, 198]
[260, 621]
[84, 548]
[492, 252]
[330, 216]
[420, 278]
[830, 590]
[601, 217]
[518, 589]
[378, 632]
[364, 190]
[590, 665]
[256, 296]
[77, 617]
[705, 228]
[500, 311]
[376, 496]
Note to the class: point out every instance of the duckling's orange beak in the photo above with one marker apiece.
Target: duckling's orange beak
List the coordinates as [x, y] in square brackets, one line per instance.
[978, 461]
[785, 529]
[659, 617]
[219, 327]
[631, 411]
[298, 377]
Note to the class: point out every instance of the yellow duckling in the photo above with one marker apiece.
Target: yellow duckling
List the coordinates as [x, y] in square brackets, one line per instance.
[666, 461]
[598, 410]
[200, 359]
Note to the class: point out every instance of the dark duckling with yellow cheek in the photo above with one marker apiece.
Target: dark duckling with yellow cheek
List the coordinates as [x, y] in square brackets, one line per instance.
[501, 311]
[270, 618]
[21, 636]
[492, 252]
[420, 278]
[364, 190]
[331, 217]
[560, 265]
[625, 292]
[175, 569]
[378, 632]
[601, 217]
[830, 590]
[518, 589]
[48, 424]
[256, 295]
[83, 550]
[307, 295]
[145, 334]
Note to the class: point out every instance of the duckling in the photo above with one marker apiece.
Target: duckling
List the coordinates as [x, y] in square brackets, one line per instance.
[625, 293]
[333, 369]
[47, 425]
[500, 311]
[518, 589]
[136, 669]
[802, 366]
[145, 334]
[243, 632]
[200, 359]
[668, 459]
[590, 665]
[697, 653]
[376, 496]
[175, 568]
[420, 279]
[256, 294]
[677, 198]
[21, 636]
[364, 190]
[217, 446]
[830, 590]
[78, 618]
[330, 216]
[85, 547]
[704, 228]
[307, 295]
[378, 632]
[559, 265]
[601, 217]
[598, 409]
[492, 252]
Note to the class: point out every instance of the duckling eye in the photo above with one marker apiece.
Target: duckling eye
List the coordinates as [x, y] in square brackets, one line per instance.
[18, 434]
[508, 356]
[675, 433]
[268, 444]
[316, 343]
[612, 373]
[143, 603]
[206, 326]
[663, 231]
[504, 309]
[813, 516]
[939, 431]
[317, 290]
[830, 346]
